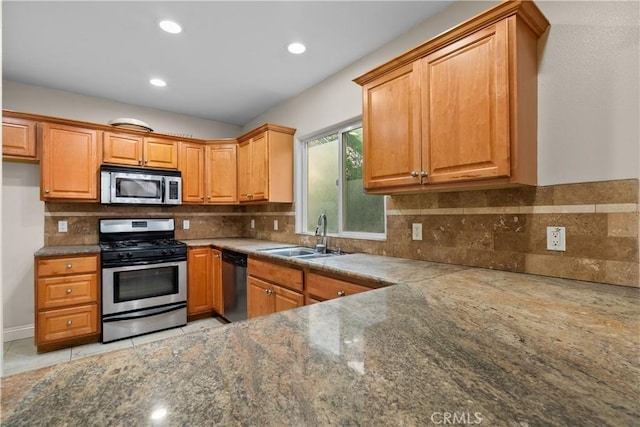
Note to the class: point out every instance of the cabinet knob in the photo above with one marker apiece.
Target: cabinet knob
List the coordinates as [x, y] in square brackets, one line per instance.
[341, 293]
[69, 265]
[139, 162]
[46, 190]
[209, 197]
[414, 174]
[146, 161]
[69, 322]
[423, 174]
[69, 291]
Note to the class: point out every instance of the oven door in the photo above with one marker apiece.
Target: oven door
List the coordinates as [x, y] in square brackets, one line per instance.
[136, 188]
[137, 287]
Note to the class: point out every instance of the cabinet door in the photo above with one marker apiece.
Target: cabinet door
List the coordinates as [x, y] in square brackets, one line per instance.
[216, 280]
[19, 138]
[199, 289]
[221, 173]
[391, 129]
[466, 108]
[160, 153]
[122, 149]
[244, 171]
[286, 299]
[70, 162]
[192, 168]
[259, 297]
[259, 184]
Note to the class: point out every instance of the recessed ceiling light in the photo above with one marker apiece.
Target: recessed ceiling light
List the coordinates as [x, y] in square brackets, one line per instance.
[170, 27]
[158, 82]
[296, 48]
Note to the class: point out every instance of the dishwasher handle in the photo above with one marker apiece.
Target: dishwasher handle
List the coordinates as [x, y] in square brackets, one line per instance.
[234, 258]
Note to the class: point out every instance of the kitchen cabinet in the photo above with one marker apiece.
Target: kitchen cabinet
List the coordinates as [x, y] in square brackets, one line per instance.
[209, 173]
[265, 165]
[19, 139]
[69, 166]
[137, 150]
[221, 171]
[66, 301]
[321, 288]
[272, 288]
[204, 282]
[192, 167]
[458, 111]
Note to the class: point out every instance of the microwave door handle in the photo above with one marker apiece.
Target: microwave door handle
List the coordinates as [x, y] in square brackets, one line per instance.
[113, 188]
[164, 189]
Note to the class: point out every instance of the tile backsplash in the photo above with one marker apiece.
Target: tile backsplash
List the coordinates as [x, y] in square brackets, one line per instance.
[501, 229]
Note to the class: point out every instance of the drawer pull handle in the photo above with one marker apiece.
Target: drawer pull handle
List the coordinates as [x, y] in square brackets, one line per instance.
[69, 265]
[69, 291]
[69, 322]
[341, 293]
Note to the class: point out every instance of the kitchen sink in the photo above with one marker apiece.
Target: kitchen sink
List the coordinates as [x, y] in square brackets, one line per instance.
[299, 252]
[290, 252]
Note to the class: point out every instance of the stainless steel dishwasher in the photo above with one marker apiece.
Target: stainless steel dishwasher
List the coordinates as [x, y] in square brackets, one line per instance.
[234, 285]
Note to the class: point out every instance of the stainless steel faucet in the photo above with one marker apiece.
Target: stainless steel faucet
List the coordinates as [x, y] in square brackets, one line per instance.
[321, 230]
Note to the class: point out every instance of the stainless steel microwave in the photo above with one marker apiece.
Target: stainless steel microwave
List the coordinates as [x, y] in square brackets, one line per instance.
[139, 186]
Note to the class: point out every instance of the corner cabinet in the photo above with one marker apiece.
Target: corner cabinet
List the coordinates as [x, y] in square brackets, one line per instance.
[458, 111]
[265, 165]
[66, 301]
[70, 163]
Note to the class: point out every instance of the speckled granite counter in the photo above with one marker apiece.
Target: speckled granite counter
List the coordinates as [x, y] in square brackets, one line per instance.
[477, 346]
[67, 250]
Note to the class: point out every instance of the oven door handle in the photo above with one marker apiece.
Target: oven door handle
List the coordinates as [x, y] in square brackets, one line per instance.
[145, 313]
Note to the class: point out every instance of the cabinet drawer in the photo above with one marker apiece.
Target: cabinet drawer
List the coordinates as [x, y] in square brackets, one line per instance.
[328, 288]
[67, 290]
[67, 323]
[67, 265]
[279, 274]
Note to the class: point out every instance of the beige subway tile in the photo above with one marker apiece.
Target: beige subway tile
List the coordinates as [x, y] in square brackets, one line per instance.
[443, 211]
[623, 273]
[492, 210]
[617, 208]
[623, 224]
[566, 209]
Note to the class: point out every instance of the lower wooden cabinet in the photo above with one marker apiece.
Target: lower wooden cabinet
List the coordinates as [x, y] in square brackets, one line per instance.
[272, 288]
[67, 292]
[320, 288]
[204, 282]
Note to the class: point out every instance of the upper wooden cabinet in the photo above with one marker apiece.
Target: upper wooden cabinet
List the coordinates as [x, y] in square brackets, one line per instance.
[192, 168]
[221, 173]
[19, 139]
[458, 111]
[137, 150]
[265, 165]
[70, 163]
[209, 173]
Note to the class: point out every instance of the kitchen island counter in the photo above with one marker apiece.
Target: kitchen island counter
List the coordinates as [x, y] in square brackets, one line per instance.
[476, 346]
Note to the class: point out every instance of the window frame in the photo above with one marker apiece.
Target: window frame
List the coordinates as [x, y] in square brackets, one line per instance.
[301, 209]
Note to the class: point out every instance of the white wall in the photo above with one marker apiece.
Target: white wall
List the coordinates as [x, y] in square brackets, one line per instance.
[588, 93]
[39, 100]
[22, 235]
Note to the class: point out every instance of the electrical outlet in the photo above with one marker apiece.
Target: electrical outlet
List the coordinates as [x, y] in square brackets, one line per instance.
[253, 224]
[416, 231]
[556, 239]
[62, 226]
[185, 224]
[275, 225]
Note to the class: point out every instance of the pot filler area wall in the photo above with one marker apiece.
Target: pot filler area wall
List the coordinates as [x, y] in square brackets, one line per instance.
[501, 229]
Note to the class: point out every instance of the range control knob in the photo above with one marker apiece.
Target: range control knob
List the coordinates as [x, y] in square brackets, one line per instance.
[164, 252]
[129, 255]
[173, 251]
[121, 255]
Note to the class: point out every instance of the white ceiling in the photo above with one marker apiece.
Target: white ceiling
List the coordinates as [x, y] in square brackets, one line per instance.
[229, 64]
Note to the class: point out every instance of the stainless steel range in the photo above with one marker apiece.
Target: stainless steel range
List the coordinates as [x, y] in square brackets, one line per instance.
[144, 277]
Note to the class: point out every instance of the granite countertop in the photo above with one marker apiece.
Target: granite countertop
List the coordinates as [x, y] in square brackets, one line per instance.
[477, 346]
[67, 250]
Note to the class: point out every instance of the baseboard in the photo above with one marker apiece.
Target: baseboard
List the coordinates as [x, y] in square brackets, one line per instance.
[18, 333]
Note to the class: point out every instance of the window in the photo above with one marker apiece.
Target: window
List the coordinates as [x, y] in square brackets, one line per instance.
[332, 184]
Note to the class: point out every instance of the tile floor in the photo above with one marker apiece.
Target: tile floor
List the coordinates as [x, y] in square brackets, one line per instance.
[21, 355]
